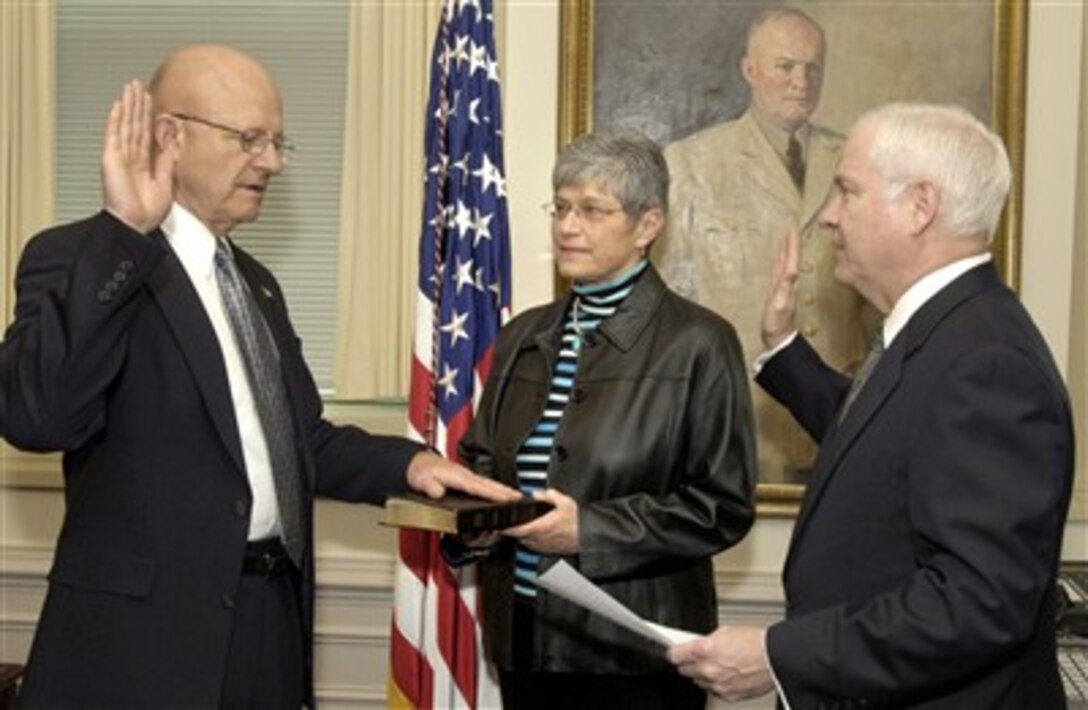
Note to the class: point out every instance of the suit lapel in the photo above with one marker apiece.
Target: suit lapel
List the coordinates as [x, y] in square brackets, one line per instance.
[195, 337]
[883, 381]
[823, 158]
[765, 165]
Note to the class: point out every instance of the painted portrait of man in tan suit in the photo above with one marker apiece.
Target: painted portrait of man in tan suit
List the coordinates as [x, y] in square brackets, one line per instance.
[736, 187]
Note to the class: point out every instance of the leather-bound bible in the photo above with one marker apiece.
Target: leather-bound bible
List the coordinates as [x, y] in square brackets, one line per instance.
[457, 513]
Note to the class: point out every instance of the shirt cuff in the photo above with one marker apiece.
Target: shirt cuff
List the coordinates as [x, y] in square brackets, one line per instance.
[767, 656]
[768, 354]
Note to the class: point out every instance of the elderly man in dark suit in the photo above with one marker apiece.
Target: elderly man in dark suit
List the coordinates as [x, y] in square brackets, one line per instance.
[159, 357]
[922, 567]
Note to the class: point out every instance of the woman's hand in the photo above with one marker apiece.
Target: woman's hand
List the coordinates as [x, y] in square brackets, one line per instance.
[554, 533]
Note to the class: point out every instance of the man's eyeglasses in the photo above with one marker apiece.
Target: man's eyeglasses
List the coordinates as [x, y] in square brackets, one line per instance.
[254, 141]
[587, 212]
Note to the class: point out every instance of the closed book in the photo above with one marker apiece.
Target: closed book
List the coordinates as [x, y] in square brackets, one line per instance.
[456, 513]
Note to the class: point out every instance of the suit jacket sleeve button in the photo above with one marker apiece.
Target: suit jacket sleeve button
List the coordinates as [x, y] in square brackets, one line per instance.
[227, 600]
[241, 508]
[104, 296]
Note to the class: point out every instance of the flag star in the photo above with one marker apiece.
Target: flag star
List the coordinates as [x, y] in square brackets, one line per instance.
[473, 108]
[456, 100]
[493, 69]
[456, 327]
[442, 166]
[497, 290]
[464, 274]
[477, 58]
[481, 223]
[463, 219]
[459, 53]
[439, 219]
[436, 277]
[478, 283]
[443, 61]
[490, 174]
[462, 165]
[447, 380]
[443, 110]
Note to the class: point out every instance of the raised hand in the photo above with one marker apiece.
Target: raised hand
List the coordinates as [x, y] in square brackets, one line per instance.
[137, 187]
[780, 308]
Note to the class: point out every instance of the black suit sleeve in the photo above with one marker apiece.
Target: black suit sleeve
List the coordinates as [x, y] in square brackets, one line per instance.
[805, 385]
[77, 289]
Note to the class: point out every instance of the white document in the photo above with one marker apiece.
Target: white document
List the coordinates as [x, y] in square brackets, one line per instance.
[565, 581]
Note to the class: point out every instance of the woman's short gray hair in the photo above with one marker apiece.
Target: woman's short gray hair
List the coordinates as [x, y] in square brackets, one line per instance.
[628, 164]
[950, 148]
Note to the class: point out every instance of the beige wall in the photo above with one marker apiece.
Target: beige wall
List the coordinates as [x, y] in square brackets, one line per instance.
[355, 555]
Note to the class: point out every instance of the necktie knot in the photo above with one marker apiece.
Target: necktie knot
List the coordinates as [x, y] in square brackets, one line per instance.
[223, 257]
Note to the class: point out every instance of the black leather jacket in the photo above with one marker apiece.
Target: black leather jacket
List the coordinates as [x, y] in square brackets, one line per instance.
[656, 445]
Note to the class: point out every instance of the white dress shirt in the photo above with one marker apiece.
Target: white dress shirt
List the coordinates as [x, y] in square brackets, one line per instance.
[194, 246]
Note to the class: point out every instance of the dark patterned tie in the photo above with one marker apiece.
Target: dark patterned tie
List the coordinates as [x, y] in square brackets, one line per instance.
[262, 363]
[795, 162]
[876, 350]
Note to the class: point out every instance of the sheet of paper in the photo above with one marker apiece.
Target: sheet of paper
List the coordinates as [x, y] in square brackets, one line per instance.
[563, 580]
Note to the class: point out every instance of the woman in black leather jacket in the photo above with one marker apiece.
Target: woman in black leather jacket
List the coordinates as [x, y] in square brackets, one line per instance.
[627, 407]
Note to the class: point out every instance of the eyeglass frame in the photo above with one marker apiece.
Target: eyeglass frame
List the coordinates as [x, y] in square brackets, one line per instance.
[256, 139]
[584, 213]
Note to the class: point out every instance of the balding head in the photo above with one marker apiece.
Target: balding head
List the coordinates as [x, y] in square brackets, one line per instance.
[206, 76]
[208, 100]
[784, 66]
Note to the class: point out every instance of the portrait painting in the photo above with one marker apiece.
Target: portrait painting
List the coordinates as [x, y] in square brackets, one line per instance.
[751, 102]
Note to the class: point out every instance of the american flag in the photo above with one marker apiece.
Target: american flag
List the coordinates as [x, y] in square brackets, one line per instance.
[463, 299]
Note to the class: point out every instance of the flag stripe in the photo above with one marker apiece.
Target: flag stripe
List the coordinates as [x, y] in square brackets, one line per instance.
[463, 297]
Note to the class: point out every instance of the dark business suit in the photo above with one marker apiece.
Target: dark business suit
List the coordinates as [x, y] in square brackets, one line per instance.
[921, 569]
[112, 359]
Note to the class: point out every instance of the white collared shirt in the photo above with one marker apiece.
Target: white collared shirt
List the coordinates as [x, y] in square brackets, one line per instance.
[194, 246]
[924, 289]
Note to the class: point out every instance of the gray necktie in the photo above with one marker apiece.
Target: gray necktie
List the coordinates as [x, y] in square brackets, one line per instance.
[795, 162]
[262, 363]
[876, 349]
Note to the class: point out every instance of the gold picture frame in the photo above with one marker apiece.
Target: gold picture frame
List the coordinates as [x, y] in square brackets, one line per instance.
[580, 53]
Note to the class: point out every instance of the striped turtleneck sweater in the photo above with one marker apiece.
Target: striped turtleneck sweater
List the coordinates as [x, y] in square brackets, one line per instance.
[592, 303]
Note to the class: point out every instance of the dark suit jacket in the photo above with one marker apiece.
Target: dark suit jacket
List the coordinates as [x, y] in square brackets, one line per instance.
[921, 569]
[112, 359]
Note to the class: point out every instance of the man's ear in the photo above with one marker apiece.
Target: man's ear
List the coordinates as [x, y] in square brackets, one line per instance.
[925, 203]
[747, 69]
[166, 131]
